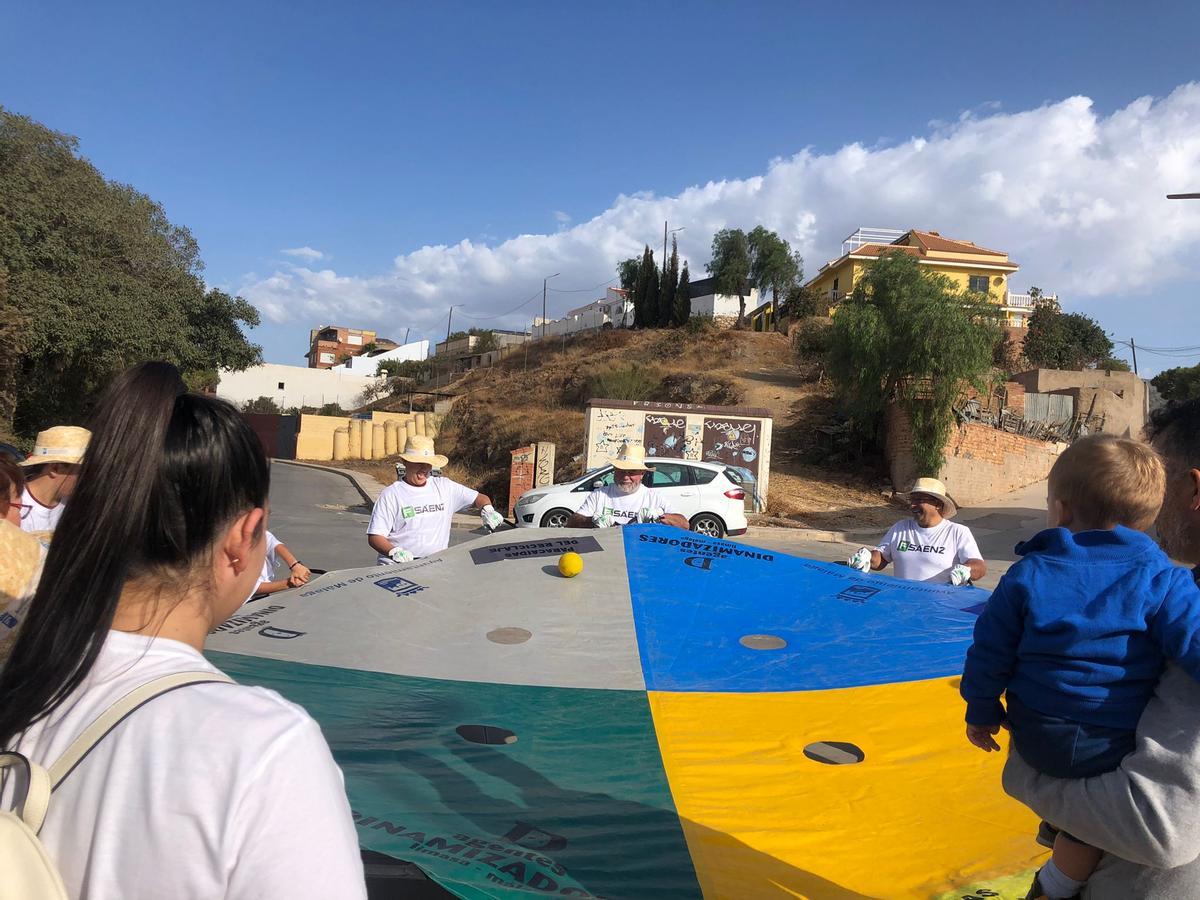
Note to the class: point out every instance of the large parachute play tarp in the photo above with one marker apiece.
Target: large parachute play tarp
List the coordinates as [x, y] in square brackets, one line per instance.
[688, 717]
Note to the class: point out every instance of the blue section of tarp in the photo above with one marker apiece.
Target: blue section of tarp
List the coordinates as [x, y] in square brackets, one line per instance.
[576, 805]
[695, 598]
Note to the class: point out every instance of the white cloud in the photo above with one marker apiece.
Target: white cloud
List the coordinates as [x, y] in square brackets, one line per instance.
[561, 217]
[1075, 197]
[304, 253]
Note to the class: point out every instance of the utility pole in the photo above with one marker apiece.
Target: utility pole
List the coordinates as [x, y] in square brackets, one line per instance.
[1133, 347]
[664, 256]
[449, 315]
[544, 280]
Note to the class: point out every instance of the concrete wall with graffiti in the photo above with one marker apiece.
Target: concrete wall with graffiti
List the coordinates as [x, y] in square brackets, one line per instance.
[734, 435]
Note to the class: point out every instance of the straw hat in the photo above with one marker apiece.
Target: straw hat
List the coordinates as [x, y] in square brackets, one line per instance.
[934, 488]
[631, 458]
[419, 449]
[60, 444]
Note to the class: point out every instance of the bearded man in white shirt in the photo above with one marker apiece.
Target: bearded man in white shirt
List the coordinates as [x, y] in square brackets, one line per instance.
[627, 501]
[928, 547]
[412, 517]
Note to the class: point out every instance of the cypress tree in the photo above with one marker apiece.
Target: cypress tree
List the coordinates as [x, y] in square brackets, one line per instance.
[683, 302]
[670, 283]
[646, 300]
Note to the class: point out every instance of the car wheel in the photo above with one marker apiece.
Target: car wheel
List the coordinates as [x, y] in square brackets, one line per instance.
[556, 518]
[708, 525]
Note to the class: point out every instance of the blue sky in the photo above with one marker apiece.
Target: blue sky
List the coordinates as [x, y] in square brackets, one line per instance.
[412, 146]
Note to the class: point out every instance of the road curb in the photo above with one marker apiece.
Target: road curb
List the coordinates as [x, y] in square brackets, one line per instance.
[352, 477]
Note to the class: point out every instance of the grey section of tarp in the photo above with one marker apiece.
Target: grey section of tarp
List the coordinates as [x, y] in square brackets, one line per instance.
[431, 618]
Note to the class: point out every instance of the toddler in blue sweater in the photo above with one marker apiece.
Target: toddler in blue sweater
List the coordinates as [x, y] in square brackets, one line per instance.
[1077, 632]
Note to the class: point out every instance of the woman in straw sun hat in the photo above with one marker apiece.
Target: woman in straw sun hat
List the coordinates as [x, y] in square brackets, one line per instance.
[627, 501]
[412, 517]
[927, 547]
[50, 474]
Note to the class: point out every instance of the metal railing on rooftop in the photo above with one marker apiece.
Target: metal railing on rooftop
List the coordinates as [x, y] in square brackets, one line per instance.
[1025, 301]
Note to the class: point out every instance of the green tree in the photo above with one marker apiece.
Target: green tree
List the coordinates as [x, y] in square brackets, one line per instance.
[413, 369]
[1058, 340]
[261, 405]
[1182, 383]
[773, 265]
[730, 266]
[799, 303]
[905, 336]
[457, 336]
[683, 299]
[627, 272]
[667, 288]
[98, 279]
[645, 294]
[487, 340]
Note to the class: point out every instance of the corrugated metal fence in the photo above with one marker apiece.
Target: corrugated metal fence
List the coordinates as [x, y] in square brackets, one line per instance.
[1049, 407]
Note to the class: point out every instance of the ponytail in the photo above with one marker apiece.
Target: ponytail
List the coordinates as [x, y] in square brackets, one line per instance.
[163, 472]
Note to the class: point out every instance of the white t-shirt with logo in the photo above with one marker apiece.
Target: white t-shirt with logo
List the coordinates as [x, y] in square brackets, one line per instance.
[624, 508]
[418, 518]
[39, 517]
[928, 554]
[211, 790]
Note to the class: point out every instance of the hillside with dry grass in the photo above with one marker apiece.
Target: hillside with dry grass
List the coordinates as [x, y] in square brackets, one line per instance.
[543, 398]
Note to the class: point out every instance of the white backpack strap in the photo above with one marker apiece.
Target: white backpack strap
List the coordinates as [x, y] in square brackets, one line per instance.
[32, 807]
[115, 714]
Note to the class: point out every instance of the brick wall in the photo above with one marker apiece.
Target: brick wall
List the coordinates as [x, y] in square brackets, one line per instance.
[981, 462]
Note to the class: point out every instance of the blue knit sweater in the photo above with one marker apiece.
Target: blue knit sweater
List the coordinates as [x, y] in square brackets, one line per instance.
[1080, 628]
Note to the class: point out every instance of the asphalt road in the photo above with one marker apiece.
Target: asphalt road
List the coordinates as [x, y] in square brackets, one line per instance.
[323, 519]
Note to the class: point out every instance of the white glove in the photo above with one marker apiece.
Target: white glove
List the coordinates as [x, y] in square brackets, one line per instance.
[960, 575]
[400, 555]
[491, 519]
[603, 520]
[861, 559]
[646, 516]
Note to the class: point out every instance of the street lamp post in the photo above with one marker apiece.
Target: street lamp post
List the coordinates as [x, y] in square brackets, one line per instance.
[544, 280]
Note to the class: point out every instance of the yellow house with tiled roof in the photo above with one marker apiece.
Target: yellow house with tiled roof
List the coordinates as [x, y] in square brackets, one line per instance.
[968, 266]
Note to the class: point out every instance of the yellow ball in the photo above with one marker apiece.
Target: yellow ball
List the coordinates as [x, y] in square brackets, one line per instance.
[570, 564]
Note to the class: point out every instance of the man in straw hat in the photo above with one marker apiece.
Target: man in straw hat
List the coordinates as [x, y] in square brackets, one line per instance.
[927, 547]
[627, 500]
[412, 517]
[50, 474]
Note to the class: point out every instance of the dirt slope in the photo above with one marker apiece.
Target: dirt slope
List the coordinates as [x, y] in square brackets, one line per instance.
[543, 398]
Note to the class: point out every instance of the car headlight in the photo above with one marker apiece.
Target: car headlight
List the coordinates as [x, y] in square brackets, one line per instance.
[529, 499]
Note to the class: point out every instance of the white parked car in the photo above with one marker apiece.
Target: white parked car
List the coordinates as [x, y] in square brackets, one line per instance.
[711, 496]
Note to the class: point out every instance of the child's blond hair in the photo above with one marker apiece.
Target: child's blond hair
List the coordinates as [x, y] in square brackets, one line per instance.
[1108, 480]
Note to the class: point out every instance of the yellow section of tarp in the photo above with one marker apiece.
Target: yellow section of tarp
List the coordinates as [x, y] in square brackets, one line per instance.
[921, 815]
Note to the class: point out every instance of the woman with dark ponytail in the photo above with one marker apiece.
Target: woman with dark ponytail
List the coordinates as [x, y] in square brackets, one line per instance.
[210, 790]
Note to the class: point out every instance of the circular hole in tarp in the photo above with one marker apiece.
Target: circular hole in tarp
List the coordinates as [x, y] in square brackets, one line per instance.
[508, 635]
[834, 753]
[485, 734]
[762, 642]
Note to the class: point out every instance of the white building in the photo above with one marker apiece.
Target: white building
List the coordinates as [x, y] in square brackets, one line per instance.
[368, 364]
[292, 386]
[614, 310]
[721, 308]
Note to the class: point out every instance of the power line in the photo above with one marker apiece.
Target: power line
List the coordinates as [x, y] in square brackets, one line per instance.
[526, 302]
[584, 290]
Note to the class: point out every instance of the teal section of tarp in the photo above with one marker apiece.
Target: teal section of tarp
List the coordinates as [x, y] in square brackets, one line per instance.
[578, 806]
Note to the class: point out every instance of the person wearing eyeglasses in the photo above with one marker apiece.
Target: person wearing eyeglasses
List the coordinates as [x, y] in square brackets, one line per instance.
[21, 554]
[50, 475]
